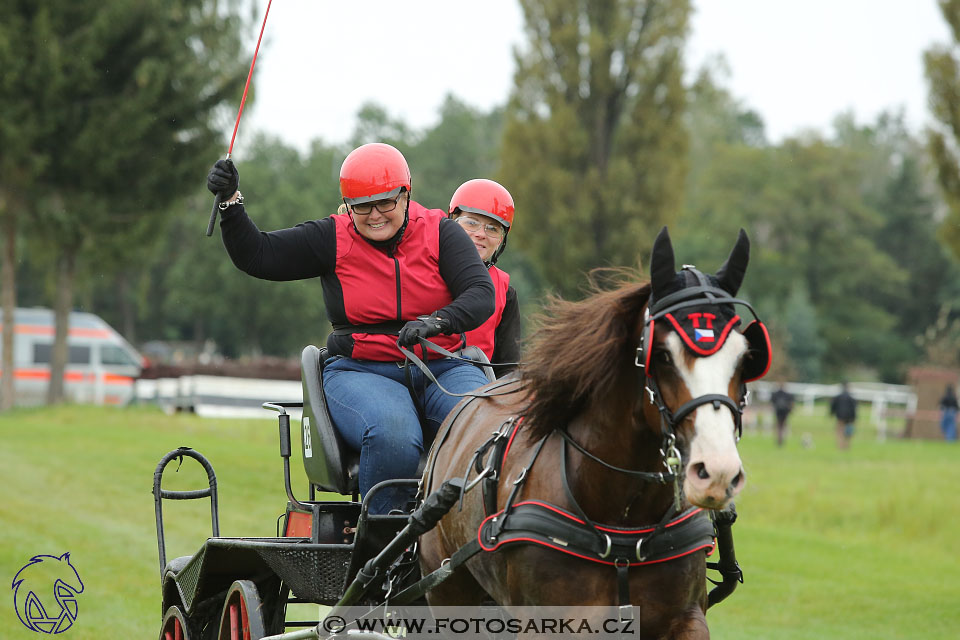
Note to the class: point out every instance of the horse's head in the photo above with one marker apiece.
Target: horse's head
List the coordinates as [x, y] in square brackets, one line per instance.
[697, 362]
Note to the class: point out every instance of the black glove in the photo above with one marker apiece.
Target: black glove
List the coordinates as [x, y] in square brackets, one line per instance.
[422, 327]
[223, 179]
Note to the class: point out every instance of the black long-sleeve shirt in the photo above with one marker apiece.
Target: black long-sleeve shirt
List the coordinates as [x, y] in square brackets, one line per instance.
[309, 250]
[506, 346]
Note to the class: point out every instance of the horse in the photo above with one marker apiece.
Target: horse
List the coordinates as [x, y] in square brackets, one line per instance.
[606, 454]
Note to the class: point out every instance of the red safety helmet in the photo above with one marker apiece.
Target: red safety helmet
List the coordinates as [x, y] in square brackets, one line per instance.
[375, 171]
[484, 197]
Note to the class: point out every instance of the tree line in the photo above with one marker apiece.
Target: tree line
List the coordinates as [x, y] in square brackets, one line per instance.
[111, 112]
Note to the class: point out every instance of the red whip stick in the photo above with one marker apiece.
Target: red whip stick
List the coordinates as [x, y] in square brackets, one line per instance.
[243, 101]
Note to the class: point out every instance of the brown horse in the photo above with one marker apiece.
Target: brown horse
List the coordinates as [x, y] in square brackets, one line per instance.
[624, 419]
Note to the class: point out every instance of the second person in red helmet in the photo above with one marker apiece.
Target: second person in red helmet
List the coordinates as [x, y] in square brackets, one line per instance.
[390, 270]
[485, 209]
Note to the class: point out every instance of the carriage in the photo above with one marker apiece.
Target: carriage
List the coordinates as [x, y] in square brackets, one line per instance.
[338, 554]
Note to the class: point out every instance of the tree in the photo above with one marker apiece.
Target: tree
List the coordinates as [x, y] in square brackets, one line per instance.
[811, 231]
[127, 95]
[594, 140]
[896, 184]
[464, 144]
[804, 344]
[19, 161]
[942, 67]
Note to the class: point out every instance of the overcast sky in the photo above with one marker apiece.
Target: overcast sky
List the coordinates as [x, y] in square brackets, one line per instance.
[797, 62]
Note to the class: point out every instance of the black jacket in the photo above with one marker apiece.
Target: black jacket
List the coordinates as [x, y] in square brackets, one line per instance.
[844, 407]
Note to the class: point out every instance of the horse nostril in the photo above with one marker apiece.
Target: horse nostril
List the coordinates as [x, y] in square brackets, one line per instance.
[736, 480]
[701, 470]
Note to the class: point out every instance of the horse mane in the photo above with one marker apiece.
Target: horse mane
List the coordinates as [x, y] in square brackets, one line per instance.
[577, 352]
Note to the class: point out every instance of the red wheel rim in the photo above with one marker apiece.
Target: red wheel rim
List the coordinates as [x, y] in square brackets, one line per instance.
[234, 622]
[173, 628]
[239, 625]
[240, 619]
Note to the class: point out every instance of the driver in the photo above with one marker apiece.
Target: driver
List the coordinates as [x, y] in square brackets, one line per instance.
[391, 270]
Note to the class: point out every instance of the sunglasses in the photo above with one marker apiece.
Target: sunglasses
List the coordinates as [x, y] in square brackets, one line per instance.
[383, 206]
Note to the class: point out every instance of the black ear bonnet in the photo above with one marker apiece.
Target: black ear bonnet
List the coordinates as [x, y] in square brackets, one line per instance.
[702, 308]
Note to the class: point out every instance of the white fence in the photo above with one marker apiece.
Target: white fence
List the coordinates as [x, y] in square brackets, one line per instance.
[219, 396]
[223, 397]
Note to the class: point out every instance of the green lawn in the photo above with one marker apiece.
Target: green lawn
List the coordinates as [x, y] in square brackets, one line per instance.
[851, 544]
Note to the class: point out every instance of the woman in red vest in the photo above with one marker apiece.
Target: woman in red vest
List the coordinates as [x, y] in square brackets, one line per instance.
[391, 271]
[484, 209]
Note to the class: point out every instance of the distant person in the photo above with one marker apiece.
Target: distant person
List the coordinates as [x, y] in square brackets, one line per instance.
[782, 401]
[844, 408]
[948, 414]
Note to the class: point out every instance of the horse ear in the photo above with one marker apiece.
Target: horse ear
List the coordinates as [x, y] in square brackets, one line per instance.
[730, 275]
[65, 556]
[663, 270]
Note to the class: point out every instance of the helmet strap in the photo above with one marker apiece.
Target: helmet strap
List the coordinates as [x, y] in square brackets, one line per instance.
[496, 254]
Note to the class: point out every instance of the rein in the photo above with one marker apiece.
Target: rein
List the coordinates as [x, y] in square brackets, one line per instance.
[426, 344]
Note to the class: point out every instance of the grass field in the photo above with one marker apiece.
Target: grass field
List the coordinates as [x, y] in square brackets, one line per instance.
[855, 544]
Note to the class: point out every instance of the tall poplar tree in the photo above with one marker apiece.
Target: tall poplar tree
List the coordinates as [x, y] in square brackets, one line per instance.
[942, 66]
[594, 146]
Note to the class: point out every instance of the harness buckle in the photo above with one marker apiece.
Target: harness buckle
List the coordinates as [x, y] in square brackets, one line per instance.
[521, 477]
[640, 556]
[480, 476]
[625, 612]
[653, 396]
[609, 543]
[636, 359]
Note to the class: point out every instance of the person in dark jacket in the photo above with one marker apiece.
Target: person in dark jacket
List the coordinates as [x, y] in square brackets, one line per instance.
[391, 272]
[948, 414]
[844, 408]
[782, 401]
[485, 209]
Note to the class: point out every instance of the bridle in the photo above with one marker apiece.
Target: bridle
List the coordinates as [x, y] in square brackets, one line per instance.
[702, 294]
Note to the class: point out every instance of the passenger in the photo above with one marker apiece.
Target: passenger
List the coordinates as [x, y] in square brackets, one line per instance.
[391, 270]
[484, 208]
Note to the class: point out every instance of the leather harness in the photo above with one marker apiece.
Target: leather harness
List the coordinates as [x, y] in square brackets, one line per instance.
[678, 534]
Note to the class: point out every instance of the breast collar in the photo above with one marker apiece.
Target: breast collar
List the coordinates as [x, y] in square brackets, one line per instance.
[540, 523]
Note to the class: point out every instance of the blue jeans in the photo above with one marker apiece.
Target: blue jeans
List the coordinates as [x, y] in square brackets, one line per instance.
[948, 424]
[372, 409]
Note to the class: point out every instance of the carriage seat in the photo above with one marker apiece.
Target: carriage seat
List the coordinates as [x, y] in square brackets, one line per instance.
[329, 463]
[174, 566]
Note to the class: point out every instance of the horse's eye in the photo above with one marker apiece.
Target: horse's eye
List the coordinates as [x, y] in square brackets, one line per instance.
[662, 356]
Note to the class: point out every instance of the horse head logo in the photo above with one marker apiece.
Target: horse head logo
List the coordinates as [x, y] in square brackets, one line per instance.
[39, 577]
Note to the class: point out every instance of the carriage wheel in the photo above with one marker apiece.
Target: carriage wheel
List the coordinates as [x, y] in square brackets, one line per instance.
[174, 625]
[242, 618]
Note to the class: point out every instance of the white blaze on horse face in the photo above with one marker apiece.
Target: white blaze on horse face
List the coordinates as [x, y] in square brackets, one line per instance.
[714, 473]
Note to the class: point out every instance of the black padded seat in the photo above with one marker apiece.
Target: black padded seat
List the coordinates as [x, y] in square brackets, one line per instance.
[329, 463]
